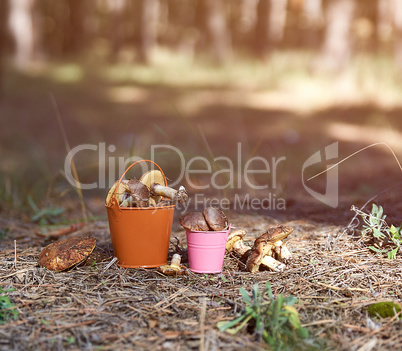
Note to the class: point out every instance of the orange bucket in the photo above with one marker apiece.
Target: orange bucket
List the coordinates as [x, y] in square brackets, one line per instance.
[140, 235]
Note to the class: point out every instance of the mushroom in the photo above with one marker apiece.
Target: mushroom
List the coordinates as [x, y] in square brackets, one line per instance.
[268, 245]
[194, 221]
[262, 247]
[236, 244]
[122, 190]
[174, 268]
[272, 263]
[64, 254]
[282, 252]
[178, 196]
[215, 218]
[150, 177]
[139, 195]
[277, 233]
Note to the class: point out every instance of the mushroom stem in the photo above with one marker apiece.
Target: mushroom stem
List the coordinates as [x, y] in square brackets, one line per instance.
[174, 268]
[275, 265]
[175, 195]
[176, 259]
[236, 244]
[282, 251]
[241, 248]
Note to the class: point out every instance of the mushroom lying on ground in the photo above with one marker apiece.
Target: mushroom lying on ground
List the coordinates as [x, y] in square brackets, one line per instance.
[236, 244]
[211, 219]
[62, 255]
[174, 268]
[266, 246]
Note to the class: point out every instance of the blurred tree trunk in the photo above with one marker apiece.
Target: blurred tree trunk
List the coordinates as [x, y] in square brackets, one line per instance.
[218, 31]
[270, 25]
[397, 14]
[314, 20]
[74, 30]
[116, 31]
[3, 30]
[336, 48]
[277, 20]
[261, 42]
[384, 21]
[149, 28]
[22, 30]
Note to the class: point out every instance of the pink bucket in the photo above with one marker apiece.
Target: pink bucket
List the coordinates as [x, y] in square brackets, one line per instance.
[206, 250]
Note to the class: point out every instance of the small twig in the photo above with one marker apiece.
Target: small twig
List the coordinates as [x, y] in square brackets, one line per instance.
[110, 264]
[324, 321]
[355, 153]
[68, 149]
[384, 327]
[15, 254]
[202, 323]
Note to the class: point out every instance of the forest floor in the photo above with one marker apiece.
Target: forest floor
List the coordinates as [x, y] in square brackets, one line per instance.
[333, 274]
[270, 112]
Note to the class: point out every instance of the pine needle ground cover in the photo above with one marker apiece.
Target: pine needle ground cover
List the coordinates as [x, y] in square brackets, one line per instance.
[334, 276]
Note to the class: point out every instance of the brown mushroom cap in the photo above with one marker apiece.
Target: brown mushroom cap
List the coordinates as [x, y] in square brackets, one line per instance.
[194, 221]
[216, 218]
[65, 254]
[139, 193]
[277, 233]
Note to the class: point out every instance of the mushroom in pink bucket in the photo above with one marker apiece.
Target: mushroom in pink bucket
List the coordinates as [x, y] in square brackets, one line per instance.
[211, 219]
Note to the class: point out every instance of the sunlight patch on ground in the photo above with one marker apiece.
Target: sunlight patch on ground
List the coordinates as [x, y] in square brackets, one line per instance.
[67, 73]
[366, 134]
[127, 94]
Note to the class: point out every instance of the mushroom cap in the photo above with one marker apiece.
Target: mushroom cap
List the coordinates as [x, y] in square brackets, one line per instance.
[277, 233]
[65, 254]
[194, 221]
[139, 193]
[172, 270]
[122, 188]
[216, 218]
[150, 177]
[138, 189]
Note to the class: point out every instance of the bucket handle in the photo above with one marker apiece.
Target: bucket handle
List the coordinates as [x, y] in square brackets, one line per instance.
[114, 206]
[133, 164]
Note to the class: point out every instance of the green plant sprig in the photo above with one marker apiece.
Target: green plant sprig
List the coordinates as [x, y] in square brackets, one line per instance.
[275, 320]
[44, 216]
[387, 239]
[7, 308]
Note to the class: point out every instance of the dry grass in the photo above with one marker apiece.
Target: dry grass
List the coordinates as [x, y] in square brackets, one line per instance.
[94, 307]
